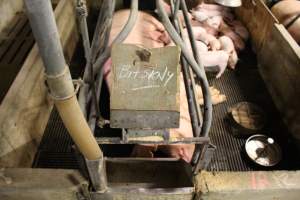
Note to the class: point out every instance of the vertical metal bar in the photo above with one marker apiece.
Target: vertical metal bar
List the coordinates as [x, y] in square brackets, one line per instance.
[88, 76]
[176, 7]
[82, 15]
[187, 82]
[198, 69]
[197, 57]
[44, 28]
[121, 36]
[42, 21]
[105, 55]
[198, 148]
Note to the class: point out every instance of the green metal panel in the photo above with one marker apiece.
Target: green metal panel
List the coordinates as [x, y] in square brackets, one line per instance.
[145, 81]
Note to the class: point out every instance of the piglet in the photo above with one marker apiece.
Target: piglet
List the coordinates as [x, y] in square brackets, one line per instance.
[201, 35]
[201, 46]
[239, 44]
[215, 59]
[228, 46]
[239, 29]
[211, 13]
[214, 7]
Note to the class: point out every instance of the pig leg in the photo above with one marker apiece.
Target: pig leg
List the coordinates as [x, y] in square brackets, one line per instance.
[215, 58]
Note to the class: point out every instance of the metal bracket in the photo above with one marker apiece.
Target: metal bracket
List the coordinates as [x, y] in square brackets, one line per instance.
[132, 133]
[205, 157]
[97, 173]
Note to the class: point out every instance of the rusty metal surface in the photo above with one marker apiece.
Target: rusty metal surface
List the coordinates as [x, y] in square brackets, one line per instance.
[35, 184]
[258, 185]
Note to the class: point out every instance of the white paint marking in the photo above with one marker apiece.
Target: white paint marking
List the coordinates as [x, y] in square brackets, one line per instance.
[146, 87]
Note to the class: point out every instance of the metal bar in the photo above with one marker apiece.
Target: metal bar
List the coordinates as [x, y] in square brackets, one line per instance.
[198, 148]
[105, 55]
[196, 56]
[97, 174]
[88, 73]
[82, 15]
[121, 36]
[42, 21]
[191, 99]
[186, 78]
[117, 140]
[198, 69]
[41, 17]
[137, 159]
[190, 89]
[176, 8]
[206, 154]
[44, 28]
[102, 28]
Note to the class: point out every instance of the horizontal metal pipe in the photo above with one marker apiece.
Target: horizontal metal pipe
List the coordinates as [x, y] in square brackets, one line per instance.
[118, 140]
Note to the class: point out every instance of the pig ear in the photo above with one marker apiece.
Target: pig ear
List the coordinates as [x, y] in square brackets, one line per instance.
[156, 24]
[154, 35]
[184, 155]
[164, 37]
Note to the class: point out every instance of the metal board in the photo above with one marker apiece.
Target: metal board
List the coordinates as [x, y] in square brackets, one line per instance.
[145, 82]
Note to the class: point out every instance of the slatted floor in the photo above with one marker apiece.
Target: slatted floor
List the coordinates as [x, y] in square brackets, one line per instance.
[246, 84]
[55, 149]
[15, 43]
[242, 84]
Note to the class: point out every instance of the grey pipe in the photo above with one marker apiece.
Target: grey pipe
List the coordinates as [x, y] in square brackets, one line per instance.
[187, 79]
[44, 29]
[42, 21]
[106, 54]
[121, 36]
[82, 15]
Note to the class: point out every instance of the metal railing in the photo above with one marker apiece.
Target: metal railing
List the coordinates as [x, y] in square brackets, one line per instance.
[100, 52]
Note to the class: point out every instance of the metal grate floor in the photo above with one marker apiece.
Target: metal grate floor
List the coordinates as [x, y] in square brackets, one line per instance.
[56, 147]
[242, 84]
[246, 84]
[16, 41]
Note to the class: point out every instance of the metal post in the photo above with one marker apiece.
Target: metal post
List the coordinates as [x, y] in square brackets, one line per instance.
[42, 21]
